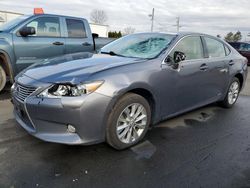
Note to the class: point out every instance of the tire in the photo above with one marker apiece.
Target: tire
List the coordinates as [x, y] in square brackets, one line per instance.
[2, 78]
[130, 104]
[226, 103]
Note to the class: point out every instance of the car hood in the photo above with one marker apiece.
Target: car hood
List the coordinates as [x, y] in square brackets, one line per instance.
[74, 68]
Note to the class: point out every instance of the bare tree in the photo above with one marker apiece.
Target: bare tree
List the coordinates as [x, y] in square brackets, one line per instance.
[98, 16]
[128, 30]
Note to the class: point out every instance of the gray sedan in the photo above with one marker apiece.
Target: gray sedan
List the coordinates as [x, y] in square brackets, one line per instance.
[133, 83]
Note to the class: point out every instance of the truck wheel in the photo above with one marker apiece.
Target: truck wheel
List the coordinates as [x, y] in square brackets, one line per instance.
[128, 122]
[2, 78]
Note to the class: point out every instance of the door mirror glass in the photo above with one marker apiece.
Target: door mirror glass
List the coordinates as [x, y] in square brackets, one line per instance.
[179, 56]
[95, 35]
[25, 31]
[170, 62]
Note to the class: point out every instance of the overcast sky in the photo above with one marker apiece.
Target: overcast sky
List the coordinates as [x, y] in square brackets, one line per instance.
[206, 16]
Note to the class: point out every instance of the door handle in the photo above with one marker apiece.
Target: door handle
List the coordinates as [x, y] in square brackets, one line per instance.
[58, 43]
[231, 62]
[203, 67]
[86, 44]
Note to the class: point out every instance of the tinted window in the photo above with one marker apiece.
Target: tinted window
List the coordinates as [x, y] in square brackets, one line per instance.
[235, 45]
[191, 47]
[215, 48]
[76, 28]
[244, 47]
[46, 27]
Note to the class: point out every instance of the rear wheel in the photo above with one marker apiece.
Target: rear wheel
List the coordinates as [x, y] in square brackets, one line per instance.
[2, 78]
[232, 94]
[128, 121]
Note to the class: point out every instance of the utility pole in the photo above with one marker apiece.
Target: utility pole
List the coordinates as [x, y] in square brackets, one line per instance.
[152, 16]
[178, 26]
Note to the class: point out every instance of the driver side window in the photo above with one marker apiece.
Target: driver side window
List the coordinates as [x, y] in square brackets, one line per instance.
[46, 27]
[191, 47]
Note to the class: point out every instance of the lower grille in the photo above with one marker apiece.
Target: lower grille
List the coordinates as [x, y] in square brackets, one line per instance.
[22, 92]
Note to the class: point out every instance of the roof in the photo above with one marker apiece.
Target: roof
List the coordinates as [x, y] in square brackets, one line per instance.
[59, 16]
[246, 42]
[173, 33]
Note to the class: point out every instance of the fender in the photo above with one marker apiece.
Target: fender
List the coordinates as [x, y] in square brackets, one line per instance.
[8, 64]
[7, 54]
[138, 85]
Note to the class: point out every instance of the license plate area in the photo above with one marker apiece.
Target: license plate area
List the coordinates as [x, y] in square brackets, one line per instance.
[21, 112]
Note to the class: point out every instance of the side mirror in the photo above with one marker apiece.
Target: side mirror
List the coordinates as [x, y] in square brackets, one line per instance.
[94, 35]
[170, 62]
[179, 56]
[25, 31]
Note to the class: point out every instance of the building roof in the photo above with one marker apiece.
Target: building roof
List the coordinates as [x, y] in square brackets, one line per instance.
[1, 11]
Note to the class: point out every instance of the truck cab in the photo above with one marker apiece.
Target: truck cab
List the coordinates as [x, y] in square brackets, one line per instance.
[32, 38]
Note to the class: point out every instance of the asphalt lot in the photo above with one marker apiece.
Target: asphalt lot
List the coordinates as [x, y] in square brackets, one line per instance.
[208, 147]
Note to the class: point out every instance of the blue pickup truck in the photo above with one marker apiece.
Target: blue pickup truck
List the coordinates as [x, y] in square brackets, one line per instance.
[32, 38]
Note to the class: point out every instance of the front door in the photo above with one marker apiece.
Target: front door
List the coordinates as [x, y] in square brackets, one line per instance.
[189, 86]
[45, 43]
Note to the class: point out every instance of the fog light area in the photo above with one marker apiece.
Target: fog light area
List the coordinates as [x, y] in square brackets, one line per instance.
[71, 129]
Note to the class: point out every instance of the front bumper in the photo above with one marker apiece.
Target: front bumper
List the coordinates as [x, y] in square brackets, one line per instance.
[48, 118]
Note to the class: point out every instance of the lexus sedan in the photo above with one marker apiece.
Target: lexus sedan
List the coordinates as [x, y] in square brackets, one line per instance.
[130, 85]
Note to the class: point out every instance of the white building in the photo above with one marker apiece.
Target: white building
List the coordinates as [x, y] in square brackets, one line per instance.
[101, 30]
[6, 16]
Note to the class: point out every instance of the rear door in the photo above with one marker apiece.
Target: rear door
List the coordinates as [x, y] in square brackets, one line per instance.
[217, 61]
[46, 43]
[78, 36]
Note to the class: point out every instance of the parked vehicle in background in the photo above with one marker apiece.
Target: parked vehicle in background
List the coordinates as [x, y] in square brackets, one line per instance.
[243, 48]
[134, 82]
[32, 38]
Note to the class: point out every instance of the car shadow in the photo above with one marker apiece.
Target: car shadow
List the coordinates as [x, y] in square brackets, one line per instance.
[5, 94]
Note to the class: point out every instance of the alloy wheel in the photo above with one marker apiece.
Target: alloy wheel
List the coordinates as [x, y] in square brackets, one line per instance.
[233, 92]
[131, 123]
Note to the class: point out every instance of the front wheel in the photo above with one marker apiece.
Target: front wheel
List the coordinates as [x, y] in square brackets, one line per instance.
[2, 78]
[128, 121]
[232, 94]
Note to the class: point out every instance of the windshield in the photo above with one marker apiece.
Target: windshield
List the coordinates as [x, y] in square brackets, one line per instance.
[143, 45]
[13, 23]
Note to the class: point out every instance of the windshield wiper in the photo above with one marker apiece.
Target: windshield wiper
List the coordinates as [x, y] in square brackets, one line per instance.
[112, 53]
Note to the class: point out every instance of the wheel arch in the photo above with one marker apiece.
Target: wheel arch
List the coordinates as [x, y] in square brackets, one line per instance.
[146, 92]
[241, 79]
[6, 64]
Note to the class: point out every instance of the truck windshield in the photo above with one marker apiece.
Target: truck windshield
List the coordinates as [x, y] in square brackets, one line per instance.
[142, 45]
[13, 23]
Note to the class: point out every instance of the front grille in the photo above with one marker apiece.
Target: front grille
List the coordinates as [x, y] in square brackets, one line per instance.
[22, 92]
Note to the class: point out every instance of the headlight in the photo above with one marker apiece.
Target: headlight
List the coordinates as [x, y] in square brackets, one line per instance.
[59, 90]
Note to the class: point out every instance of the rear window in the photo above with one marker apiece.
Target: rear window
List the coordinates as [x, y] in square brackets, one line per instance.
[215, 48]
[244, 47]
[235, 45]
[76, 28]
